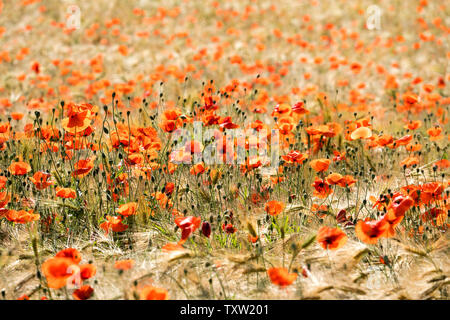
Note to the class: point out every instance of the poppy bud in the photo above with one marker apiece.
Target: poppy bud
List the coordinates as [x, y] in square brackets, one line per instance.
[206, 229]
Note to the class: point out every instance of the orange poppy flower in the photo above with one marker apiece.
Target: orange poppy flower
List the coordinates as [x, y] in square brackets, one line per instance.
[3, 181]
[49, 133]
[413, 125]
[124, 264]
[172, 247]
[4, 198]
[127, 209]
[83, 293]
[334, 178]
[4, 127]
[113, 223]
[153, 293]
[435, 133]
[338, 156]
[299, 108]
[295, 157]
[215, 175]
[413, 147]
[65, 193]
[168, 189]
[331, 238]
[19, 168]
[274, 207]
[442, 164]
[197, 169]
[57, 271]
[41, 180]
[171, 120]
[83, 167]
[347, 181]
[162, 199]
[17, 115]
[384, 140]
[187, 225]
[281, 276]
[424, 194]
[393, 221]
[321, 130]
[320, 165]
[370, 231]
[361, 133]
[410, 98]
[123, 50]
[21, 216]
[70, 253]
[321, 211]
[410, 161]
[78, 118]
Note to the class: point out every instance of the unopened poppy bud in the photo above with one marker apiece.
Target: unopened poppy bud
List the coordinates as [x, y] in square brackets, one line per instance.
[206, 229]
[251, 229]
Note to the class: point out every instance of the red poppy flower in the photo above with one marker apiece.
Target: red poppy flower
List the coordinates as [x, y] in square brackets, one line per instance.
[321, 188]
[228, 228]
[87, 271]
[299, 108]
[331, 238]
[170, 186]
[295, 157]
[83, 167]
[83, 293]
[400, 204]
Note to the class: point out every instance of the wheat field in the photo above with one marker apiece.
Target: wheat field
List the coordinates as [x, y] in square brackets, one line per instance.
[107, 191]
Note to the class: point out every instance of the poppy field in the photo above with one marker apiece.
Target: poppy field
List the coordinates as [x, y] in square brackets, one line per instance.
[291, 149]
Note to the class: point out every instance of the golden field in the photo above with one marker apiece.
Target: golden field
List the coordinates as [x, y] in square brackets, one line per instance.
[102, 198]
